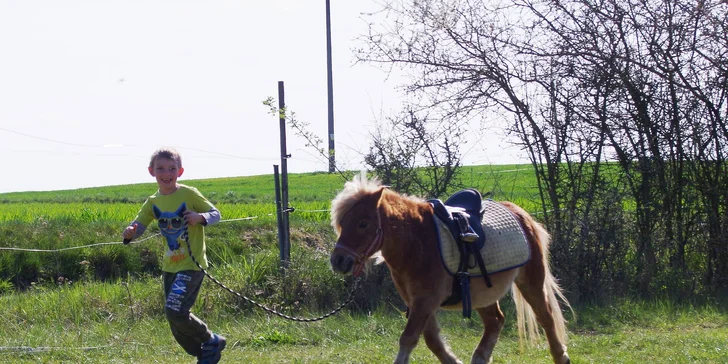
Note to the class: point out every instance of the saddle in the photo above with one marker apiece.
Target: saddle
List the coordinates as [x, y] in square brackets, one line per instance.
[462, 213]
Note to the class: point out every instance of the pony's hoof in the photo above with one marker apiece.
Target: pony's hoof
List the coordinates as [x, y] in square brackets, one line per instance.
[475, 360]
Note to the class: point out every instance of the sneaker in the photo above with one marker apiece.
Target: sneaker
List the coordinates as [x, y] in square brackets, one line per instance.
[211, 350]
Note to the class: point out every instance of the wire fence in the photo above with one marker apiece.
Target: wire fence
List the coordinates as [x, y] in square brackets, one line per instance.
[137, 241]
[107, 243]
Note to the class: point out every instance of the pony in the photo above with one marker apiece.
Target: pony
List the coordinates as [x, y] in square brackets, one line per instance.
[372, 221]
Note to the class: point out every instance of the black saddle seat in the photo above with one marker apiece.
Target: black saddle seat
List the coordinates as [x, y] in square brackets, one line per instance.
[471, 201]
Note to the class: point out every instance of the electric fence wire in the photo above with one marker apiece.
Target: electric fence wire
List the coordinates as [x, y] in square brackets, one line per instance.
[155, 235]
[31, 350]
[105, 243]
[45, 349]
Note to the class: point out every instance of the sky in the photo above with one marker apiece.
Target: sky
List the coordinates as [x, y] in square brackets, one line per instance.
[89, 89]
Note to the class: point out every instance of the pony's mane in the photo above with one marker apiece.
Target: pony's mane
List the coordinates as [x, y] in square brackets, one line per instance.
[353, 191]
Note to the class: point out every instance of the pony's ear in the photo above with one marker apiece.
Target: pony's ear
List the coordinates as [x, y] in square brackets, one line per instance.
[157, 211]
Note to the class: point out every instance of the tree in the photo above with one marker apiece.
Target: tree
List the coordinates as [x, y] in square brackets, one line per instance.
[416, 155]
[618, 103]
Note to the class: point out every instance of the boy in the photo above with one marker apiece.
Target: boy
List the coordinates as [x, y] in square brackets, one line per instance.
[181, 213]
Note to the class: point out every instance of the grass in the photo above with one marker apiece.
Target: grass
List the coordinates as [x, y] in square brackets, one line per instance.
[513, 182]
[90, 212]
[118, 323]
[104, 304]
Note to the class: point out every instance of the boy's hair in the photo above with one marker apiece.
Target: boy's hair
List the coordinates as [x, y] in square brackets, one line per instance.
[169, 153]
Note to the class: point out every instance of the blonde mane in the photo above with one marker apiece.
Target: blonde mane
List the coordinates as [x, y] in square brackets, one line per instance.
[353, 191]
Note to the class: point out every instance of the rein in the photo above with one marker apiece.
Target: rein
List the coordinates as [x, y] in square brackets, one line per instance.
[265, 308]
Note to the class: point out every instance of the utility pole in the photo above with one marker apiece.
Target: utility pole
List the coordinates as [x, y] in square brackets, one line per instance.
[332, 155]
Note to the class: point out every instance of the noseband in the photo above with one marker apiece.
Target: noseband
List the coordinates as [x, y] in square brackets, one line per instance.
[375, 245]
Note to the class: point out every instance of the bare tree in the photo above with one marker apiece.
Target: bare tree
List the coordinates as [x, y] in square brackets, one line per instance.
[416, 155]
[621, 106]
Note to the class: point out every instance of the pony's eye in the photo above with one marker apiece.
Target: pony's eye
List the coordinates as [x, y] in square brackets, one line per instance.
[363, 224]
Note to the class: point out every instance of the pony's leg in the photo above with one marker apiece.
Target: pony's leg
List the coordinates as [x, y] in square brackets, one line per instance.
[493, 320]
[536, 297]
[436, 344]
[416, 322]
[420, 315]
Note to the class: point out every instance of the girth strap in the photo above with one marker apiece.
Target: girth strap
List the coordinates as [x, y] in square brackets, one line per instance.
[463, 278]
[481, 264]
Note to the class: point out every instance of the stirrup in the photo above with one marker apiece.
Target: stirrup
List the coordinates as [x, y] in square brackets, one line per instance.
[469, 237]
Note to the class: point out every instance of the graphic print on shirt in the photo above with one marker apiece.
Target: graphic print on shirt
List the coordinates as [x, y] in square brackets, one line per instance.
[177, 292]
[171, 224]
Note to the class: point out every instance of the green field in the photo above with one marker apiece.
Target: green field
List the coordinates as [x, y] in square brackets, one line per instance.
[102, 302]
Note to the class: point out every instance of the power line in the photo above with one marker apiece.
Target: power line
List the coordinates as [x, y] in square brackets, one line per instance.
[130, 145]
[52, 140]
[223, 154]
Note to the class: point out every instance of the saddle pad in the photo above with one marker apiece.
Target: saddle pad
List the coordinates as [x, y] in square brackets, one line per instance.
[505, 243]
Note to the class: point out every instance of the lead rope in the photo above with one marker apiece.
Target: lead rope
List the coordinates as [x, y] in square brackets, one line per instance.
[267, 309]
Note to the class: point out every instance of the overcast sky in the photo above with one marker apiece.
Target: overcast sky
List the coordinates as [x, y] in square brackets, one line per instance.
[89, 89]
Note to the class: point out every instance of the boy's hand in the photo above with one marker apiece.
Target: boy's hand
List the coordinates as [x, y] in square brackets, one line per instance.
[129, 233]
[193, 218]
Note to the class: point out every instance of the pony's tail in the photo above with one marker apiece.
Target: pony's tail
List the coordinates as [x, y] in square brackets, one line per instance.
[528, 330]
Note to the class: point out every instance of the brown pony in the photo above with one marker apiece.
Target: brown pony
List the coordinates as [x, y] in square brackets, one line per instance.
[372, 221]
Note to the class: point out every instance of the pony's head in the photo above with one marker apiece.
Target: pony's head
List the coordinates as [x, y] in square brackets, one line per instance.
[171, 224]
[356, 219]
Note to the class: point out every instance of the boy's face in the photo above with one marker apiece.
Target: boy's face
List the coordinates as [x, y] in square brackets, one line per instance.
[166, 171]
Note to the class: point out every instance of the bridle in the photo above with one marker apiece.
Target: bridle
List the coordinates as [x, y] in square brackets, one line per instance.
[375, 245]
